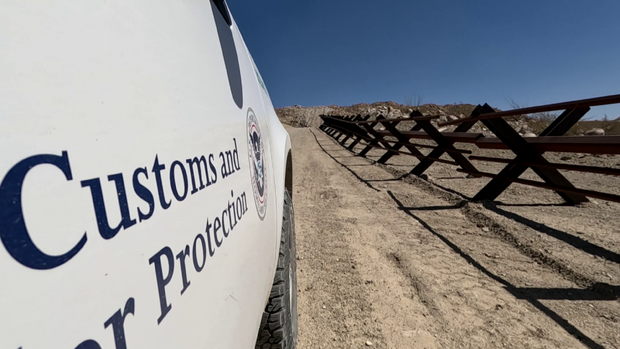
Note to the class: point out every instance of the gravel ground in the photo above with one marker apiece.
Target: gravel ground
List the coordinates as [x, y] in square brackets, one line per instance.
[388, 261]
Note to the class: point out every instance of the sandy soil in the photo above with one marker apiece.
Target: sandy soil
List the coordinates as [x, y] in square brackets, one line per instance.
[392, 262]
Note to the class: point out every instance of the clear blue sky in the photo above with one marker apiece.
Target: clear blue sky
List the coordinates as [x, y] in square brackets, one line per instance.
[322, 52]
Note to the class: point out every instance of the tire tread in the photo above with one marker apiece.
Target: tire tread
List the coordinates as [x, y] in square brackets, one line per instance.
[277, 330]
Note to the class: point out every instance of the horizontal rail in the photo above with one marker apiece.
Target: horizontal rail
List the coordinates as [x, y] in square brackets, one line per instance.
[568, 167]
[568, 144]
[460, 151]
[381, 121]
[447, 150]
[528, 150]
[457, 137]
[414, 155]
[581, 103]
[584, 192]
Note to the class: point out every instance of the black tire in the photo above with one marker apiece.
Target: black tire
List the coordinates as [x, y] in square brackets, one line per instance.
[278, 328]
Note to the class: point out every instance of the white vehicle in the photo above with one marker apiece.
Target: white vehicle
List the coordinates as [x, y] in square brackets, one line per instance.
[145, 194]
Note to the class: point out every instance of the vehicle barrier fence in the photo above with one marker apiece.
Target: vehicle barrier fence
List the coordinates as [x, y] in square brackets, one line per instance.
[528, 151]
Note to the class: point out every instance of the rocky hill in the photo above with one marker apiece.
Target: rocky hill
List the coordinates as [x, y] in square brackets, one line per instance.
[309, 116]
[532, 125]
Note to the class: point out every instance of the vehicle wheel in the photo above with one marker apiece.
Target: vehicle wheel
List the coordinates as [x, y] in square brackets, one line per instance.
[278, 328]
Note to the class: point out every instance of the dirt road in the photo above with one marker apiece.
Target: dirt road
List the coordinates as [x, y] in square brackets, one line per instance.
[388, 264]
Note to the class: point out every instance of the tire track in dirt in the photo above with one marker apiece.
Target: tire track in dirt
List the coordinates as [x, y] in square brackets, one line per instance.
[473, 212]
[370, 271]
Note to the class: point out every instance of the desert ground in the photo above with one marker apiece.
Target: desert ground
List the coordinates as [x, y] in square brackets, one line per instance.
[386, 260]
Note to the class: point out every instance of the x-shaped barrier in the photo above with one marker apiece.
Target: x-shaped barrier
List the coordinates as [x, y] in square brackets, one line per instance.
[392, 128]
[349, 135]
[525, 152]
[446, 145]
[376, 139]
[528, 151]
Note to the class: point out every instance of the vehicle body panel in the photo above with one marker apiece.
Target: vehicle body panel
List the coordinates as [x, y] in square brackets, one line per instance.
[112, 87]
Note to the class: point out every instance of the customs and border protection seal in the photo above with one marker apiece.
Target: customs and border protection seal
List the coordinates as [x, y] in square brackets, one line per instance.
[258, 170]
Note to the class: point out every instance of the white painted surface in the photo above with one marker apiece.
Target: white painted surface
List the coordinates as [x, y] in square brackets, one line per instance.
[115, 84]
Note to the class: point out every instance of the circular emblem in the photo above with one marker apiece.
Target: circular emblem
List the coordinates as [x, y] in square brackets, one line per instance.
[258, 170]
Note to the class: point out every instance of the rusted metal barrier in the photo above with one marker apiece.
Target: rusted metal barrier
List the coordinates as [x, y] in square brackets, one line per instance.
[528, 151]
